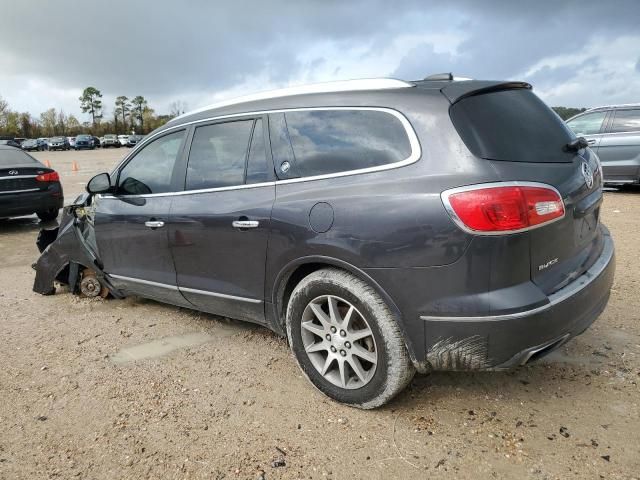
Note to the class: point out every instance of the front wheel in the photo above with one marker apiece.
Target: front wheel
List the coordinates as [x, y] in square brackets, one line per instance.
[346, 340]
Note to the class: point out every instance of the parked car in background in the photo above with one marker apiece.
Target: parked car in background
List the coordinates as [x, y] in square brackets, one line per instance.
[111, 140]
[10, 142]
[30, 145]
[383, 226]
[613, 132]
[72, 141]
[27, 186]
[85, 142]
[123, 140]
[133, 140]
[97, 142]
[19, 140]
[59, 143]
[101, 141]
[44, 143]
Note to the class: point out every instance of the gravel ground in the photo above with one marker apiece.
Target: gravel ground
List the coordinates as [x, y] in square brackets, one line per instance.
[135, 389]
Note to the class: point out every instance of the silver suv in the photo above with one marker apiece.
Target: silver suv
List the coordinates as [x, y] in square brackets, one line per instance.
[614, 133]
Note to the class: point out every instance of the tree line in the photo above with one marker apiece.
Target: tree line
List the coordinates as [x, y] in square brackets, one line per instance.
[129, 116]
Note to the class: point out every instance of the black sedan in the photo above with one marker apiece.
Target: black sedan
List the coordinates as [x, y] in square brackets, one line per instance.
[27, 186]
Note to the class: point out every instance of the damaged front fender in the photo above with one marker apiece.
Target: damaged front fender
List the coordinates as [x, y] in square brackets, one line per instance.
[67, 250]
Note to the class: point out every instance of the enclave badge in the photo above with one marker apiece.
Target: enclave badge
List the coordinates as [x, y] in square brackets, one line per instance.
[587, 173]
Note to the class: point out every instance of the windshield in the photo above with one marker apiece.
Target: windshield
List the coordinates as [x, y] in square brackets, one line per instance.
[12, 156]
[57, 139]
[82, 137]
[511, 125]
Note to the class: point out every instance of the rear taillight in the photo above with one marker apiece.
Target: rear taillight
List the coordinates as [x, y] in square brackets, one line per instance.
[48, 177]
[503, 207]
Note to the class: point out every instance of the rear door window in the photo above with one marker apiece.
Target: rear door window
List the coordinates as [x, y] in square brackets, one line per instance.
[511, 125]
[587, 124]
[333, 141]
[218, 155]
[626, 121]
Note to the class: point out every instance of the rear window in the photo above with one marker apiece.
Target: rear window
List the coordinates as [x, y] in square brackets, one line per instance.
[12, 156]
[511, 125]
[332, 141]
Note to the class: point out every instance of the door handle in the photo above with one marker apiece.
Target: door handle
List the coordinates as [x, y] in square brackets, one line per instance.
[245, 224]
[154, 224]
[591, 142]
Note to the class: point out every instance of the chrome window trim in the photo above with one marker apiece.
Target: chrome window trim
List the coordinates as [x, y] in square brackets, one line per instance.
[219, 295]
[190, 192]
[479, 186]
[4, 177]
[579, 284]
[19, 191]
[416, 150]
[183, 289]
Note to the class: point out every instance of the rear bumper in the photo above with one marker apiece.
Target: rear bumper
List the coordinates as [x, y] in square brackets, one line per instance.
[505, 341]
[26, 203]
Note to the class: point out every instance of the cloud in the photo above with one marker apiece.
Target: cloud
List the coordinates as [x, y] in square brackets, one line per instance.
[200, 51]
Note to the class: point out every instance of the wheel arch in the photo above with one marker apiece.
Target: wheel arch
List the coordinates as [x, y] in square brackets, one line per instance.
[290, 275]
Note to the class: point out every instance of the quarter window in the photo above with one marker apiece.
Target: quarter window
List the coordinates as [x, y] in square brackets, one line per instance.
[218, 155]
[626, 121]
[588, 124]
[332, 141]
[151, 169]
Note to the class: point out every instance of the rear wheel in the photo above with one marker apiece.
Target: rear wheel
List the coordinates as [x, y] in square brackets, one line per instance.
[48, 215]
[346, 340]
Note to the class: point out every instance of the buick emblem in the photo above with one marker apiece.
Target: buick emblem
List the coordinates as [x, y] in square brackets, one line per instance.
[587, 173]
[13, 172]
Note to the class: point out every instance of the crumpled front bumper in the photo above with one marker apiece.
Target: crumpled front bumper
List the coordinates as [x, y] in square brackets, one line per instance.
[64, 253]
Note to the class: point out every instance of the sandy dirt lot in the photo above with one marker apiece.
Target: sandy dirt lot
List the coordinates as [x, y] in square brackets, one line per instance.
[135, 389]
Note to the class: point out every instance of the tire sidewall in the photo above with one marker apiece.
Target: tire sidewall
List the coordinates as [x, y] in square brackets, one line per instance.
[299, 300]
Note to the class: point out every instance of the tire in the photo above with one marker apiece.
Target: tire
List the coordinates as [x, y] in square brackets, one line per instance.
[380, 380]
[48, 215]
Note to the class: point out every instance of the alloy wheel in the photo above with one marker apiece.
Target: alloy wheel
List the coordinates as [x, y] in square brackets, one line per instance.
[339, 342]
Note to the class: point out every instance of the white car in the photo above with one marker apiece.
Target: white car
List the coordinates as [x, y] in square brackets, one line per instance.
[72, 141]
[123, 139]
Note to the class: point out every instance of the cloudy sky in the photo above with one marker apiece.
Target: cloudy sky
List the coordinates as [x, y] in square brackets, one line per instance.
[575, 53]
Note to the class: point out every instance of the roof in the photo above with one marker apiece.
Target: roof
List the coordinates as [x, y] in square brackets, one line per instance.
[325, 87]
[379, 91]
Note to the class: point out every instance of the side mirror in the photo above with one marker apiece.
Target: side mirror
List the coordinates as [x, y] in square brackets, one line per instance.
[577, 144]
[101, 183]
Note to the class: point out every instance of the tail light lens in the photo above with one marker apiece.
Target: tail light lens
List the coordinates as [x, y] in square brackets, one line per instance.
[503, 208]
[48, 177]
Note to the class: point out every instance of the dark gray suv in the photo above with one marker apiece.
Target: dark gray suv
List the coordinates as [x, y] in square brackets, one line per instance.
[383, 226]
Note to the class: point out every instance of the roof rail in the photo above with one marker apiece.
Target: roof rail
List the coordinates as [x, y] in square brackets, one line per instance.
[325, 87]
[621, 105]
[444, 77]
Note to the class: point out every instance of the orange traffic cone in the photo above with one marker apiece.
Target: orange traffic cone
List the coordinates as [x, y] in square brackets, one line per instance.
[47, 163]
[74, 166]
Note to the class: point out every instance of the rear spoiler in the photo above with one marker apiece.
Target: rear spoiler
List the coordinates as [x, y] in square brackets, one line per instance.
[456, 91]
